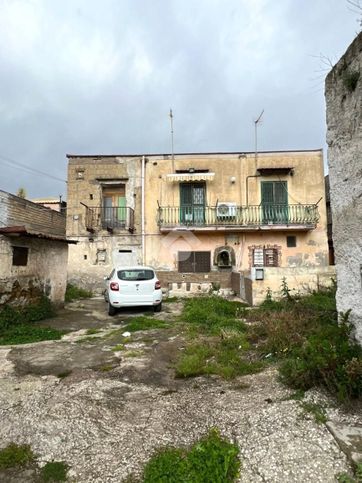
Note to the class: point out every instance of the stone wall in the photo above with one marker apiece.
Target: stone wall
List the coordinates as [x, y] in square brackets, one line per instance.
[15, 211]
[44, 274]
[97, 252]
[344, 121]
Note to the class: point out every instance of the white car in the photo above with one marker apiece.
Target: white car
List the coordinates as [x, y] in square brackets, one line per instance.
[132, 287]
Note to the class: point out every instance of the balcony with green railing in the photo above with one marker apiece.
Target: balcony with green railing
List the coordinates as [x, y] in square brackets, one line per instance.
[239, 218]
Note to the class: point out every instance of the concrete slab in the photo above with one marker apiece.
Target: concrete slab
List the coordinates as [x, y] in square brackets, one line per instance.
[349, 438]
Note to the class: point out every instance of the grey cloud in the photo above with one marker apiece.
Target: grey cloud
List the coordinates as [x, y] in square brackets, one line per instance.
[99, 77]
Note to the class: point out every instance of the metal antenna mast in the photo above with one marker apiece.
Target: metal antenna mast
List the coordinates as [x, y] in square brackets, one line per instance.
[172, 152]
[256, 134]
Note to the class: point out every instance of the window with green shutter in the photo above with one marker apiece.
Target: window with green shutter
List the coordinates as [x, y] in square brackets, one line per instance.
[274, 202]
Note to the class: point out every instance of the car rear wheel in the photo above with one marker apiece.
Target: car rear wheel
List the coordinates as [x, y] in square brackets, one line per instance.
[111, 310]
[158, 308]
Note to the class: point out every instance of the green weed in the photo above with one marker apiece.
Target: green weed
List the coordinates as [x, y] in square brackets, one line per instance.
[54, 471]
[313, 348]
[16, 455]
[211, 459]
[225, 357]
[27, 333]
[209, 315]
[316, 410]
[74, 293]
[93, 331]
[118, 347]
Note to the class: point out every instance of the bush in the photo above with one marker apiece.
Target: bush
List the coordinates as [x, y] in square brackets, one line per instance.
[10, 316]
[315, 350]
[211, 459]
[54, 471]
[17, 324]
[15, 455]
[327, 358]
[74, 293]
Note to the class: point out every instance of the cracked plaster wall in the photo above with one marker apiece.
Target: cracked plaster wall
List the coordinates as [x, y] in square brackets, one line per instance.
[344, 137]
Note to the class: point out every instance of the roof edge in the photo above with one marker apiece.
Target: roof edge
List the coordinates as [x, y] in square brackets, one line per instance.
[135, 155]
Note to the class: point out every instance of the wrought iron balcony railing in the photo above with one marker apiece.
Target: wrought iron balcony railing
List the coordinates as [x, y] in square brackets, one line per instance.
[303, 216]
[109, 218]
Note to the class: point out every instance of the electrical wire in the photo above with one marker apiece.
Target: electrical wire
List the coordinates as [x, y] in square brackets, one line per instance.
[28, 169]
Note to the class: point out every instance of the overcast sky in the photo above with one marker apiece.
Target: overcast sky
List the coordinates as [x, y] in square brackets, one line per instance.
[99, 76]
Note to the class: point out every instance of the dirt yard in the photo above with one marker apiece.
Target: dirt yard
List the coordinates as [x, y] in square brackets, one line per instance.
[104, 411]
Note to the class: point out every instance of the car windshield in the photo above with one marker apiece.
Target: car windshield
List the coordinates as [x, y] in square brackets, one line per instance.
[135, 274]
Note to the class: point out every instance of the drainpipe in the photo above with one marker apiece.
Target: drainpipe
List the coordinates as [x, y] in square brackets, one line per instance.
[143, 208]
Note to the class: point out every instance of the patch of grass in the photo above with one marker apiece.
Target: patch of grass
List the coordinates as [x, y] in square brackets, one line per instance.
[209, 315]
[27, 333]
[106, 368]
[54, 471]
[15, 455]
[211, 459]
[219, 344]
[17, 323]
[11, 316]
[316, 410]
[74, 293]
[93, 331]
[295, 396]
[118, 348]
[144, 323]
[225, 358]
[356, 478]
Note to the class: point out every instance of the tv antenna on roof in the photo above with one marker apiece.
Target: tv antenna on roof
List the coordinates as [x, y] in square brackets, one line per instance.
[256, 122]
[172, 152]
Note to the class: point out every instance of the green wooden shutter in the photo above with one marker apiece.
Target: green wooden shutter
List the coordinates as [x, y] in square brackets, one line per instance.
[121, 212]
[280, 193]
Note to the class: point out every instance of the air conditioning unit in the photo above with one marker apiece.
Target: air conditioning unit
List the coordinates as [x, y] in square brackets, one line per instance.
[226, 210]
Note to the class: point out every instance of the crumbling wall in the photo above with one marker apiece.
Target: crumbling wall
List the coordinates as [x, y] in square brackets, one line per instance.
[343, 92]
[45, 272]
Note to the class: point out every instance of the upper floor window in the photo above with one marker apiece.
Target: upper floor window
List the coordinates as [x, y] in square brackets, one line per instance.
[274, 202]
[114, 206]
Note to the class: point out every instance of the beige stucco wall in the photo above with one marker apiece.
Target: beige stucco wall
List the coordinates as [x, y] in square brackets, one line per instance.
[45, 272]
[300, 280]
[306, 186]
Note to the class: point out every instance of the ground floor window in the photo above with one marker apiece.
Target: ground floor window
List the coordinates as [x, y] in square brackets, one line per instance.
[20, 256]
[194, 262]
[265, 257]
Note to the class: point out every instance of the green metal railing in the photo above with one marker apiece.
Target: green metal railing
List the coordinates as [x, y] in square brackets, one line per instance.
[243, 216]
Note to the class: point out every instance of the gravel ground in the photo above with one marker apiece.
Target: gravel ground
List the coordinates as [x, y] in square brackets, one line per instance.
[106, 424]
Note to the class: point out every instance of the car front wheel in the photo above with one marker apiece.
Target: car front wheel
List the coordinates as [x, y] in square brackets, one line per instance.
[158, 308]
[111, 310]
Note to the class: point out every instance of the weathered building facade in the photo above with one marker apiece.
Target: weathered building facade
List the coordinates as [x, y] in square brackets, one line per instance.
[33, 252]
[344, 121]
[200, 218]
[103, 216]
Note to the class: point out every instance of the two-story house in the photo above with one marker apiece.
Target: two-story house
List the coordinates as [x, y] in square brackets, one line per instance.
[203, 220]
